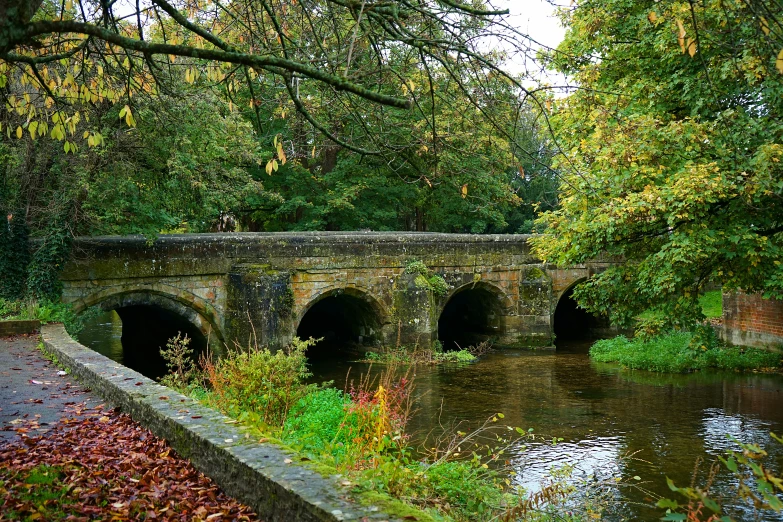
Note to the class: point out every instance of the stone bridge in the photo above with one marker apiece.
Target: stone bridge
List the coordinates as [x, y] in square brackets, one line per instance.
[347, 287]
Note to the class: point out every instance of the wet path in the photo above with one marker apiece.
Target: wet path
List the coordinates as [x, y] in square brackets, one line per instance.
[35, 395]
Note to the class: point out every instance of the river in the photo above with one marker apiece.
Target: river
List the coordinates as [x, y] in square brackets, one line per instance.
[612, 422]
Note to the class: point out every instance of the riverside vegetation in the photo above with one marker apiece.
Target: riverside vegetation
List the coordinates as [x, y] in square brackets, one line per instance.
[680, 351]
[360, 433]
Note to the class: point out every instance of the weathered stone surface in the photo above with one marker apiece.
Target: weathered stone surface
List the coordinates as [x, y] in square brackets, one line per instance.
[261, 475]
[228, 281]
[18, 327]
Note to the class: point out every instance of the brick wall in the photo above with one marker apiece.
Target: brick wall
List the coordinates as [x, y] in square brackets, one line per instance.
[750, 320]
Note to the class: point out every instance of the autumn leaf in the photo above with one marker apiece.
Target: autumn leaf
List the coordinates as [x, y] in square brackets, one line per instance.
[779, 62]
[764, 25]
[681, 35]
[464, 191]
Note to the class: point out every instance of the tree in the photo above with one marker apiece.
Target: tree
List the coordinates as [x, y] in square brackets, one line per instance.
[673, 145]
[65, 55]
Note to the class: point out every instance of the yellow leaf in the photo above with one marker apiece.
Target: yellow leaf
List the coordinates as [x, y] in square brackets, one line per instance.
[779, 62]
[19, 132]
[129, 121]
[269, 167]
[312, 153]
[681, 35]
[691, 47]
[464, 191]
[764, 25]
[652, 17]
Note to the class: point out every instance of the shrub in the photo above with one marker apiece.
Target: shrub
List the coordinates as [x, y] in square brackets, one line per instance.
[179, 361]
[260, 381]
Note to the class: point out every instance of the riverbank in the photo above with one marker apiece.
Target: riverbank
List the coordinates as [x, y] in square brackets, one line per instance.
[677, 353]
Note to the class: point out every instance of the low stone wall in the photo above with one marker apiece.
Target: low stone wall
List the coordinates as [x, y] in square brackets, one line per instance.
[263, 476]
[750, 320]
[19, 327]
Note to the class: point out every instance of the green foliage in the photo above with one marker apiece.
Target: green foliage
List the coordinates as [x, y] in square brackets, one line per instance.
[321, 423]
[416, 267]
[179, 362]
[426, 279]
[14, 253]
[672, 154]
[260, 382]
[463, 490]
[758, 487]
[48, 260]
[405, 355]
[455, 356]
[47, 312]
[712, 304]
[676, 352]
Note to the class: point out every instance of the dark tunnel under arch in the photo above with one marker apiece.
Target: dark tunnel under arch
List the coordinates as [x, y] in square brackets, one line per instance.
[472, 315]
[348, 322]
[573, 323]
[148, 321]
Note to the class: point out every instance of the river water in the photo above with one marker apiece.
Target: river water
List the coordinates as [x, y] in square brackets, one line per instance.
[612, 422]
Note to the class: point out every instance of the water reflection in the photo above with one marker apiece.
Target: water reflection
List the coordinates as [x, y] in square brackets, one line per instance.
[103, 334]
[613, 422]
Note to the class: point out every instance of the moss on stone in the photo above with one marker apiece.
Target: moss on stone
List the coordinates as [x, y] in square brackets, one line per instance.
[396, 507]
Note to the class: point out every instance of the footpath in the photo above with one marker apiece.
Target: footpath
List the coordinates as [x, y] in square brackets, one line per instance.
[34, 394]
[65, 455]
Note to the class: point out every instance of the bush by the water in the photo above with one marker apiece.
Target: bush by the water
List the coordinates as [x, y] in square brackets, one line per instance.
[676, 352]
[259, 382]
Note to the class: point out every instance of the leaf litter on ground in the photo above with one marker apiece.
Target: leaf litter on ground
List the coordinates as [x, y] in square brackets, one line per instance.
[100, 464]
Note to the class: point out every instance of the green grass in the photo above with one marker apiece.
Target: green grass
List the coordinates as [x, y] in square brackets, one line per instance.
[673, 353]
[37, 494]
[711, 306]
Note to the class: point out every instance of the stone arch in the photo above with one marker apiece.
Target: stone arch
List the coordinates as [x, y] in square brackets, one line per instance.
[187, 305]
[352, 290]
[472, 313]
[347, 318]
